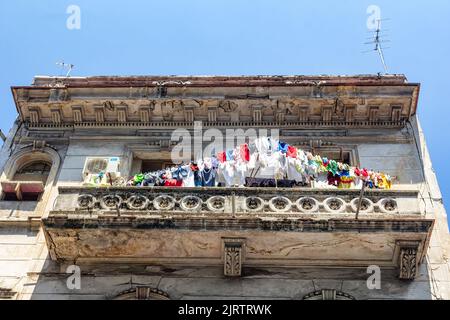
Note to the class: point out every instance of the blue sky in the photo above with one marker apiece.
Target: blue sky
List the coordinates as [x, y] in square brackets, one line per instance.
[232, 37]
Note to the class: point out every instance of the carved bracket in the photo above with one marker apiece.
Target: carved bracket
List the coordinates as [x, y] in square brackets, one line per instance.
[408, 259]
[7, 293]
[233, 256]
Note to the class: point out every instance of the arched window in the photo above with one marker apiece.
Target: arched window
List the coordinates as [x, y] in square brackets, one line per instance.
[142, 293]
[27, 182]
[33, 171]
[29, 172]
[328, 294]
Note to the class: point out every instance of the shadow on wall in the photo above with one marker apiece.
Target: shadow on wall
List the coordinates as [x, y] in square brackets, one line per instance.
[17, 209]
[159, 282]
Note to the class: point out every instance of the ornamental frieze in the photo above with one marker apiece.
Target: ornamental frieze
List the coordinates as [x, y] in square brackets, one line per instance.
[285, 111]
[211, 202]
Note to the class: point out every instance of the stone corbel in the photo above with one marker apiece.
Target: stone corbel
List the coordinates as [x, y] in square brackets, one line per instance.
[189, 114]
[257, 113]
[144, 114]
[396, 113]
[408, 255]
[99, 114]
[349, 113]
[303, 113]
[56, 115]
[122, 113]
[34, 115]
[212, 114]
[327, 113]
[233, 256]
[373, 113]
[77, 114]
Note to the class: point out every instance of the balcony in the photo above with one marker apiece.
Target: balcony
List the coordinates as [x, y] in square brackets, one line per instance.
[238, 227]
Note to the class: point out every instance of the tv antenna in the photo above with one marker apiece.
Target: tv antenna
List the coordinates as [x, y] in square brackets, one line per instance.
[67, 66]
[377, 40]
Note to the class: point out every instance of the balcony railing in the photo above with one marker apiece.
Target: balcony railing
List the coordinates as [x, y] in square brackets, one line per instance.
[264, 226]
[236, 201]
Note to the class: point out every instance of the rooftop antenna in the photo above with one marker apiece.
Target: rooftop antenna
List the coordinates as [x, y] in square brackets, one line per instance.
[67, 66]
[377, 41]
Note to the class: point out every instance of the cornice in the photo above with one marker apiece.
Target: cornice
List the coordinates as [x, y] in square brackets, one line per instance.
[219, 101]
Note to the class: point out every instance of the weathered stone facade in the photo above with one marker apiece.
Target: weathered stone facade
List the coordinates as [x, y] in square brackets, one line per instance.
[198, 243]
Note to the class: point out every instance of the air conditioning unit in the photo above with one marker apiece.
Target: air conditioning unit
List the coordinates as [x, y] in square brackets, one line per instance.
[97, 170]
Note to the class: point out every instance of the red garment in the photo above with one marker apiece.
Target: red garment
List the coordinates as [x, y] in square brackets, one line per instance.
[245, 152]
[365, 173]
[173, 183]
[333, 180]
[221, 156]
[194, 167]
[291, 152]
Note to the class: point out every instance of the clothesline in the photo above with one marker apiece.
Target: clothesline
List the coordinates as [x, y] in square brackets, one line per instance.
[264, 162]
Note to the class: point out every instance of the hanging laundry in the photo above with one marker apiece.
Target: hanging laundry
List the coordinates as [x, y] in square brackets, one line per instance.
[291, 152]
[229, 155]
[245, 152]
[264, 158]
[282, 146]
[222, 157]
[173, 183]
[292, 170]
[208, 177]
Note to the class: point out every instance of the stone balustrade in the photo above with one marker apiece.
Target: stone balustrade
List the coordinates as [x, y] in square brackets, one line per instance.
[236, 201]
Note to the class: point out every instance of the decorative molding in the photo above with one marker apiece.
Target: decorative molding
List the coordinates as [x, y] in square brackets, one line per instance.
[34, 115]
[408, 259]
[122, 114]
[396, 113]
[77, 114]
[328, 294]
[188, 114]
[303, 113]
[56, 115]
[269, 204]
[99, 114]
[373, 113]
[233, 254]
[212, 114]
[7, 293]
[142, 293]
[349, 113]
[228, 106]
[144, 114]
[324, 125]
[57, 95]
[169, 107]
[327, 112]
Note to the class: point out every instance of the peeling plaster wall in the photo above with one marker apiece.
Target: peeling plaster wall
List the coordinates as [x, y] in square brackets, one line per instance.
[25, 266]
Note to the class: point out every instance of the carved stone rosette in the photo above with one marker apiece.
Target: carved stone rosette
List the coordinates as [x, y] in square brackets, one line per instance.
[204, 202]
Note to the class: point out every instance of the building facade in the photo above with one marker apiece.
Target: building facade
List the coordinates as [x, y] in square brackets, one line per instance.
[65, 236]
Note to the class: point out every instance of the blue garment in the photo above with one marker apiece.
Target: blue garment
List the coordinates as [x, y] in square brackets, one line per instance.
[208, 177]
[179, 173]
[149, 180]
[229, 155]
[198, 181]
[283, 147]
